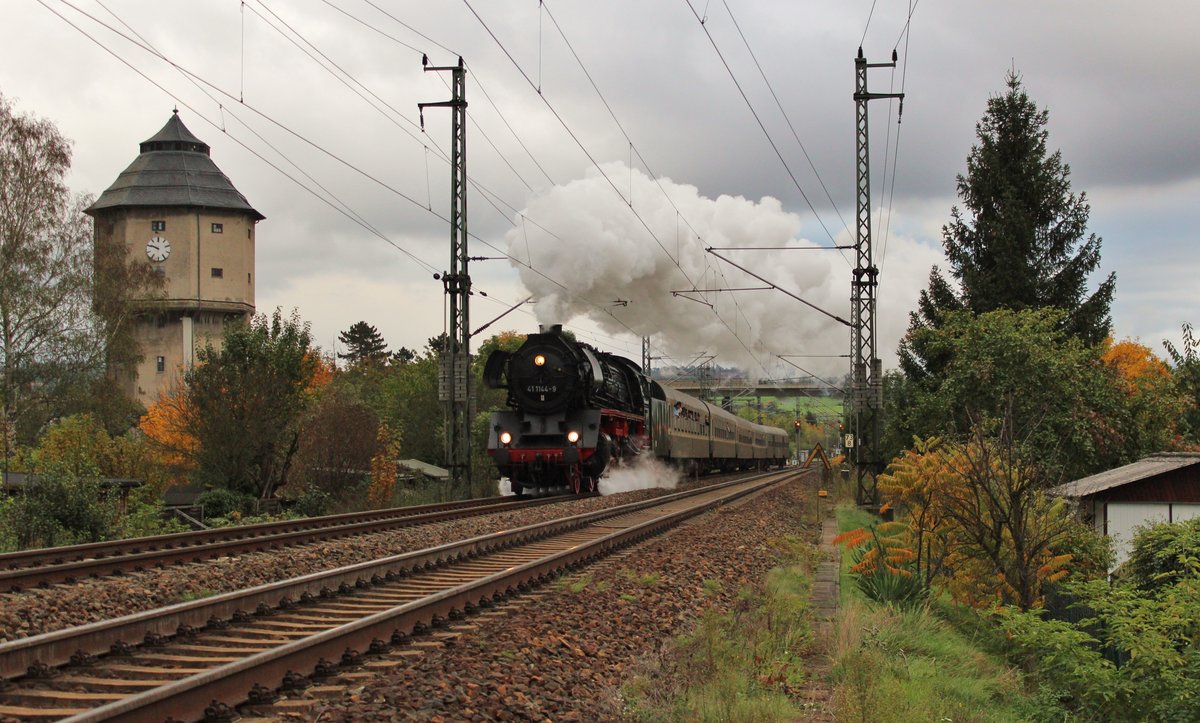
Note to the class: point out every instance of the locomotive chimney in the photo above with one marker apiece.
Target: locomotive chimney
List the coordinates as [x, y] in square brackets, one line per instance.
[554, 329]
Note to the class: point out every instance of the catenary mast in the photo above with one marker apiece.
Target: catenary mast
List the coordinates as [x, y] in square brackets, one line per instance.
[454, 387]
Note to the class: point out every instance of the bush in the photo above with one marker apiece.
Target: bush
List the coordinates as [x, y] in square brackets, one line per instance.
[1163, 554]
[313, 502]
[8, 537]
[1155, 636]
[222, 502]
[902, 588]
[145, 516]
[61, 509]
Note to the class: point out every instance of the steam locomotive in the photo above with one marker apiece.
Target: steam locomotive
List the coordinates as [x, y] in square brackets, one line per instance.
[575, 411]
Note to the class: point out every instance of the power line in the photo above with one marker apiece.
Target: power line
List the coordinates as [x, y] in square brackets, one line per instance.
[609, 180]
[770, 140]
[199, 114]
[786, 118]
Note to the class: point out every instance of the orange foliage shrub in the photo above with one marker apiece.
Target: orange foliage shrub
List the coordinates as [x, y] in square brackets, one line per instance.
[383, 468]
[166, 425]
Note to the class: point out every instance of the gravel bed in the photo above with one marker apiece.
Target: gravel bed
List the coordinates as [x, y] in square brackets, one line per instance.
[564, 656]
[39, 611]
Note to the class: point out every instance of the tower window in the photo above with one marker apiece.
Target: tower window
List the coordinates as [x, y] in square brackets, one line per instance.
[158, 225]
[247, 277]
[218, 273]
[218, 228]
[160, 363]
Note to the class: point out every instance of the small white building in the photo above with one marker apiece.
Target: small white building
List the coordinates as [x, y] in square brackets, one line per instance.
[1163, 487]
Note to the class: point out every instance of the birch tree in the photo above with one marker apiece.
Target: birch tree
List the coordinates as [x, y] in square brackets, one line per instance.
[46, 325]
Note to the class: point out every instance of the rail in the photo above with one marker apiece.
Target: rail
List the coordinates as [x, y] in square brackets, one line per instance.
[472, 573]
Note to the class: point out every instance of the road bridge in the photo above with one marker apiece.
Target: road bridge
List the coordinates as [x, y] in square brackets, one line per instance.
[745, 387]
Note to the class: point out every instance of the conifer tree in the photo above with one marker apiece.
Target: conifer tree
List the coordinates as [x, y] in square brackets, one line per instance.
[1019, 241]
[363, 342]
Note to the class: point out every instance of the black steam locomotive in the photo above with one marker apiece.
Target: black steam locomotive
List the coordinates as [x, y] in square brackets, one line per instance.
[576, 410]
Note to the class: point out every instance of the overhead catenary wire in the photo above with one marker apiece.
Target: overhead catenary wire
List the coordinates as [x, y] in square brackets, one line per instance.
[574, 137]
[906, 35]
[645, 225]
[264, 16]
[479, 85]
[633, 149]
[762, 73]
[200, 114]
[771, 141]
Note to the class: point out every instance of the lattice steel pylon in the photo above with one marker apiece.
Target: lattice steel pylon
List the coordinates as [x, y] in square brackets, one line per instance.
[866, 398]
[454, 383]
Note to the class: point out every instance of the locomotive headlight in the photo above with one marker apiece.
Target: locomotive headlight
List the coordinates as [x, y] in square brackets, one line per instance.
[505, 438]
[572, 436]
[539, 361]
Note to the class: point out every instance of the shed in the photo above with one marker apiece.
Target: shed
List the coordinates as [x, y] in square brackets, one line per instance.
[416, 466]
[1163, 487]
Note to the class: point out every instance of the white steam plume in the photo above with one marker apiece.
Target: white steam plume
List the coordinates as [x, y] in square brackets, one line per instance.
[644, 473]
[603, 253]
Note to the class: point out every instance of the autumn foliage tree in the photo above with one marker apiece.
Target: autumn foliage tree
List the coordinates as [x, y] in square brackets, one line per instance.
[1154, 404]
[973, 519]
[383, 468]
[915, 484]
[1006, 531]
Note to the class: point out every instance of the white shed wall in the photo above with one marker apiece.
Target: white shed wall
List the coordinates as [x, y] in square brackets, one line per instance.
[1123, 517]
[1179, 513]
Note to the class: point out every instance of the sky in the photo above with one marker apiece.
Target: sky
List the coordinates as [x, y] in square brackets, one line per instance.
[610, 144]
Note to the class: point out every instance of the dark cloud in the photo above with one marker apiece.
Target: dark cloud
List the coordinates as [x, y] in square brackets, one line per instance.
[1117, 82]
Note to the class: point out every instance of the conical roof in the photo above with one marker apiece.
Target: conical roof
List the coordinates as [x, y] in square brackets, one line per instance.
[174, 169]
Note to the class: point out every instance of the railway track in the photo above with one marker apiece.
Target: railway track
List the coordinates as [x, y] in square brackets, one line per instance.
[33, 568]
[200, 659]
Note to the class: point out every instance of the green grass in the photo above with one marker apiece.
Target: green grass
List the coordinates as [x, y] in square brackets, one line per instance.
[849, 518]
[899, 666]
[746, 664]
[649, 579]
[200, 594]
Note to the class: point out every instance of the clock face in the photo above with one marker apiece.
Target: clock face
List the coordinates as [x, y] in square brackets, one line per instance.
[158, 249]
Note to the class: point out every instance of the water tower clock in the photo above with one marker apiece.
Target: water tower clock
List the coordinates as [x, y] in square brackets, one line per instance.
[158, 249]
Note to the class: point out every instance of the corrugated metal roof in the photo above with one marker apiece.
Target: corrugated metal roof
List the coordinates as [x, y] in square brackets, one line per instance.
[174, 169]
[429, 470]
[1142, 469]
